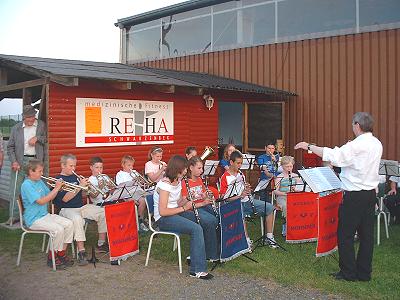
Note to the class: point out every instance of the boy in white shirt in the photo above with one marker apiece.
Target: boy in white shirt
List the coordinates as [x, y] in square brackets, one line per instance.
[126, 175]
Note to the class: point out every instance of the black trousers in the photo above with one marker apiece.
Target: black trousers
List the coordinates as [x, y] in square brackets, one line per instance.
[392, 202]
[356, 213]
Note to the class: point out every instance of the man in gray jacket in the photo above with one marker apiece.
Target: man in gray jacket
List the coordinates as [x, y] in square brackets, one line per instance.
[27, 141]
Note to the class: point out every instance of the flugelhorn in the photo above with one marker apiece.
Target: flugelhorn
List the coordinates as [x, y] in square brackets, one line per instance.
[67, 186]
[92, 190]
[208, 151]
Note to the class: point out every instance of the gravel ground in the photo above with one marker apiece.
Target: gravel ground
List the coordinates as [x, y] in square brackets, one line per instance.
[131, 280]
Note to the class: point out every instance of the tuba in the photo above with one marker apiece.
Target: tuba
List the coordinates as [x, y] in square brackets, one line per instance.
[208, 151]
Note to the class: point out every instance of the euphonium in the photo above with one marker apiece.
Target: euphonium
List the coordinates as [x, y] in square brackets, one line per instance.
[208, 151]
[92, 190]
[68, 187]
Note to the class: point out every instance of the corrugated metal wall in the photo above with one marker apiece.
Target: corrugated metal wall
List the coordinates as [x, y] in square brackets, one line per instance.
[194, 125]
[334, 77]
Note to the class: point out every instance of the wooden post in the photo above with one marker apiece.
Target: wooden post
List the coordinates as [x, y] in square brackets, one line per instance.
[27, 96]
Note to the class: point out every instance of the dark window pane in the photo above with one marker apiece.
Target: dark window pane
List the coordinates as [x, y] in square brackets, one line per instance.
[297, 17]
[375, 12]
[265, 123]
[230, 122]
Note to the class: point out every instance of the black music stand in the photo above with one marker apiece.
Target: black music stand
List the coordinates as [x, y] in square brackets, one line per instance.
[389, 168]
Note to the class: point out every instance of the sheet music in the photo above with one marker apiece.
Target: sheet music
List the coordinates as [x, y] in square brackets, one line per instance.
[235, 188]
[262, 185]
[248, 161]
[321, 179]
[210, 166]
[389, 167]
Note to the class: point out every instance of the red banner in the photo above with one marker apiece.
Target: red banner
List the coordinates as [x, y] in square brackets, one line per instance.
[122, 230]
[311, 160]
[328, 210]
[302, 217]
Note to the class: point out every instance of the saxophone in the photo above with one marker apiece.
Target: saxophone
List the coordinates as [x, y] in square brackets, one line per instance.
[190, 198]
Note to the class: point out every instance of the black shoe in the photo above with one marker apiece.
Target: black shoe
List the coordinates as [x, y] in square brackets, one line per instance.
[66, 260]
[82, 258]
[103, 248]
[59, 264]
[340, 276]
[202, 275]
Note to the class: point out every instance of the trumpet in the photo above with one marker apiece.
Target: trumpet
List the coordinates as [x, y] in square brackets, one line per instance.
[68, 187]
[208, 151]
[105, 182]
[92, 190]
[139, 179]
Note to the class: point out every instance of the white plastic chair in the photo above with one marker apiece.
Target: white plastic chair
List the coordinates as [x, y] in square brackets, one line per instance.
[26, 230]
[380, 212]
[177, 241]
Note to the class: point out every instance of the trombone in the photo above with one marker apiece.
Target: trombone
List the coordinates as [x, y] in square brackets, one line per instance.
[68, 187]
[92, 190]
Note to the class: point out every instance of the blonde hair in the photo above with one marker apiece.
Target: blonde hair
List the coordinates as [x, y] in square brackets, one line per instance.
[127, 158]
[153, 150]
[65, 157]
[226, 156]
[287, 160]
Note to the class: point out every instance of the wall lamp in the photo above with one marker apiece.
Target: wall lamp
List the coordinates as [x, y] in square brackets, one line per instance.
[209, 101]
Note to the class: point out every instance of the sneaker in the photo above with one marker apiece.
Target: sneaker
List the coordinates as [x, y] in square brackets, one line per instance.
[59, 264]
[201, 275]
[66, 260]
[143, 227]
[271, 243]
[188, 260]
[103, 248]
[82, 258]
[284, 230]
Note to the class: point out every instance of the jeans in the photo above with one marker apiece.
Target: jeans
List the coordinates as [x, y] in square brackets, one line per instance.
[209, 223]
[183, 225]
[262, 208]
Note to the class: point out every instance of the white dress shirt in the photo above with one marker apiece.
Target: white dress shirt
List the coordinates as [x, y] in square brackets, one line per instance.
[29, 132]
[359, 160]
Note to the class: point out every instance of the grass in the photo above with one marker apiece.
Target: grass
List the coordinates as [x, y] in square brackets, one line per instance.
[298, 266]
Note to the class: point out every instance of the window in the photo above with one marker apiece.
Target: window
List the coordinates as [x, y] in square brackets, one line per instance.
[299, 17]
[375, 12]
[259, 24]
[182, 38]
[143, 44]
[225, 29]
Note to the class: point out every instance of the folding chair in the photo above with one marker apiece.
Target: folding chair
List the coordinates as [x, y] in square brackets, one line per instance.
[26, 230]
[177, 241]
[380, 212]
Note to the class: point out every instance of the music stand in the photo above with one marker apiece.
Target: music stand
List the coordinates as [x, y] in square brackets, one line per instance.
[120, 192]
[389, 168]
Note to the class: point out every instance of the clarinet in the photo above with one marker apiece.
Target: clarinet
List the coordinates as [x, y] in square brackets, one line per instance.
[212, 198]
[291, 187]
[248, 196]
[189, 196]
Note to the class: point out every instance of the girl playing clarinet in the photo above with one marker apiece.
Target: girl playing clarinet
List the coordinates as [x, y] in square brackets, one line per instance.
[172, 217]
[207, 213]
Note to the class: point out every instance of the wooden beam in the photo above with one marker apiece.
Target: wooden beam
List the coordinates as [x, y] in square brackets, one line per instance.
[66, 81]
[27, 96]
[3, 76]
[22, 85]
[192, 90]
[120, 85]
[168, 89]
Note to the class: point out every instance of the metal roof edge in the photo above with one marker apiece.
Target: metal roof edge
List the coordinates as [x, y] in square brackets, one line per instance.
[166, 11]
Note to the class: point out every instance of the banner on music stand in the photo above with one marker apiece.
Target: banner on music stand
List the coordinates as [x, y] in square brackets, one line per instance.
[328, 210]
[233, 237]
[122, 230]
[302, 217]
[311, 160]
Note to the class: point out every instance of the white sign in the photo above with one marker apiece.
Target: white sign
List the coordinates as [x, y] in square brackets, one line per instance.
[117, 122]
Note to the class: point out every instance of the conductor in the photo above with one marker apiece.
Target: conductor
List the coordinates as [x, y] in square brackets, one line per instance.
[359, 161]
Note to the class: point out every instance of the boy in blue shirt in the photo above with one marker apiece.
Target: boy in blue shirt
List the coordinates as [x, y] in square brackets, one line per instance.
[35, 197]
[268, 163]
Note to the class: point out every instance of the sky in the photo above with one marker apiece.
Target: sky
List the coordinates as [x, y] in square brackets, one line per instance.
[73, 29]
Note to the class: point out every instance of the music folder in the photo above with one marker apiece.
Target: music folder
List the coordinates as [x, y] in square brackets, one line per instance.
[389, 167]
[210, 166]
[321, 179]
